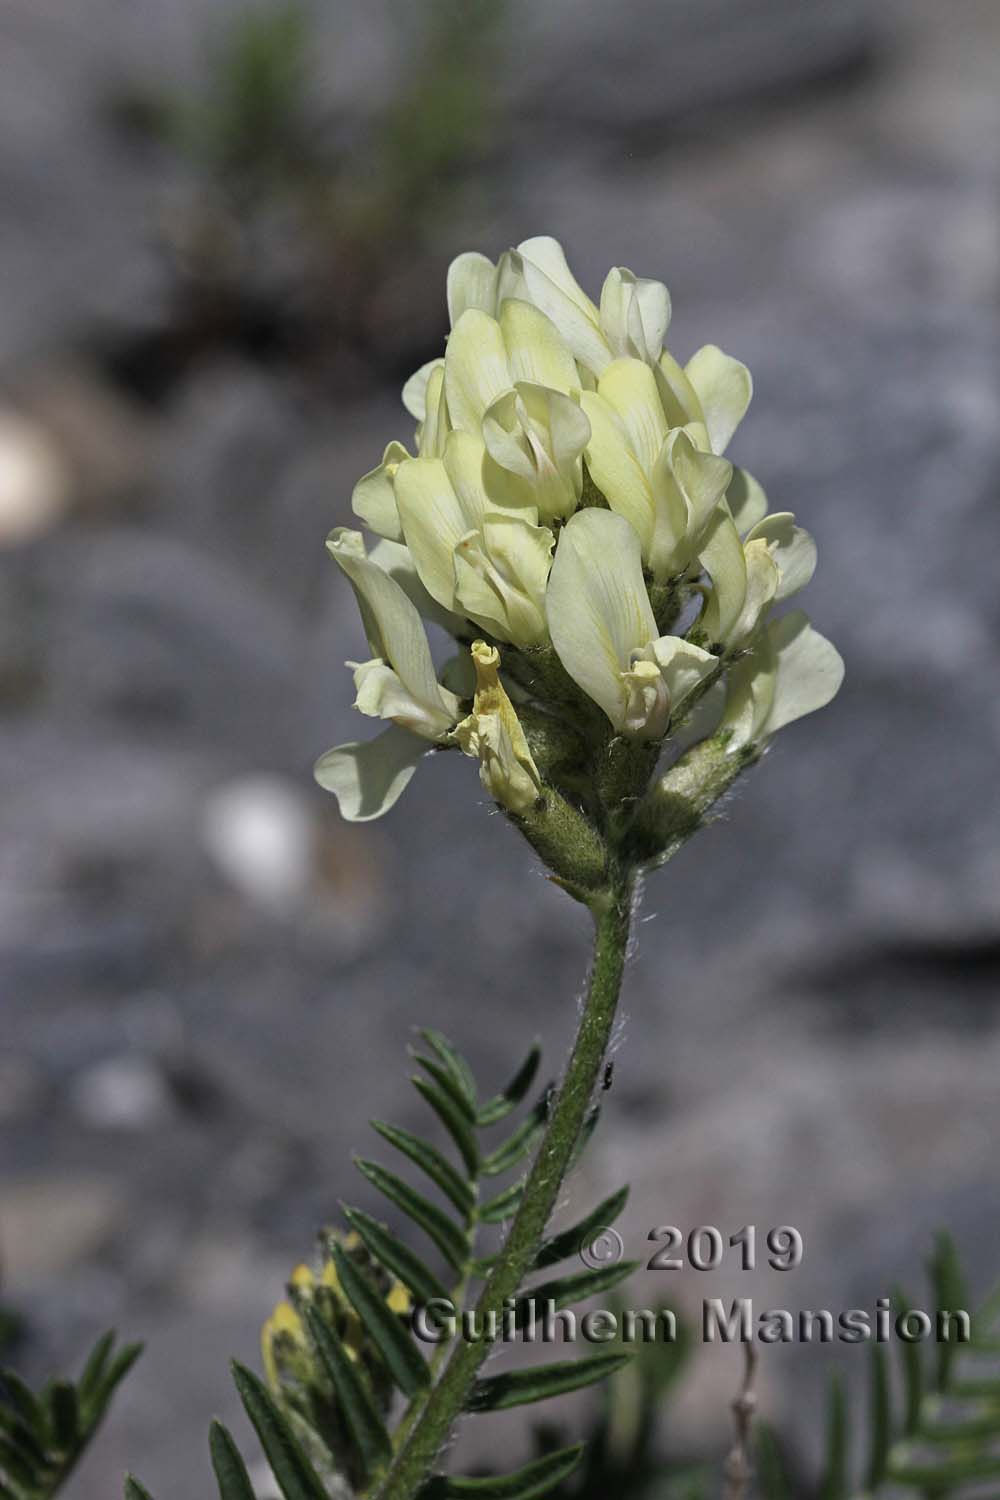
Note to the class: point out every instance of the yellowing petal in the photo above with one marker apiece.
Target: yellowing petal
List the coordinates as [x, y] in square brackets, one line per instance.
[493, 734]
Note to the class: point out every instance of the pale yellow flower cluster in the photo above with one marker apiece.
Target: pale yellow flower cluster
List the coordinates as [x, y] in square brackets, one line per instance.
[567, 500]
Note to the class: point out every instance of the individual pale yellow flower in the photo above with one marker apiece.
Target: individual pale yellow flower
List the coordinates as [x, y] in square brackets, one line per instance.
[604, 631]
[485, 561]
[659, 478]
[399, 683]
[493, 734]
[791, 671]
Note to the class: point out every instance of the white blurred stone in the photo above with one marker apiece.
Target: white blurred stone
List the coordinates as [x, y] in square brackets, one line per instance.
[259, 832]
[121, 1093]
[34, 482]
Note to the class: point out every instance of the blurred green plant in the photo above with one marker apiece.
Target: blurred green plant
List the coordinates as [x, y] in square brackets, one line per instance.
[293, 219]
[44, 1433]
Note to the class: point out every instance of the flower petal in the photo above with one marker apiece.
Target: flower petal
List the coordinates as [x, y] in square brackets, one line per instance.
[597, 605]
[810, 670]
[535, 349]
[395, 631]
[472, 282]
[761, 590]
[381, 694]
[415, 389]
[630, 387]
[750, 689]
[396, 559]
[791, 547]
[724, 388]
[368, 778]
[492, 733]
[434, 522]
[615, 469]
[679, 397]
[547, 255]
[501, 573]
[721, 555]
[434, 430]
[746, 499]
[683, 666]
[635, 314]
[553, 289]
[374, 497]
[687, 487]
[476, 368]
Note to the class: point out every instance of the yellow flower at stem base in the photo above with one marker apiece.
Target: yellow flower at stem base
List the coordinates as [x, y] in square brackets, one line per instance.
[493, 733]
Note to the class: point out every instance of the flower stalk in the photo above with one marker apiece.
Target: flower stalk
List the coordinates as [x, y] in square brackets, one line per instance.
[447, 1399]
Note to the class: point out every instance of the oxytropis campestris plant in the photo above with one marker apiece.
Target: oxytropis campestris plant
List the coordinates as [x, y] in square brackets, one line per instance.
[568, 516]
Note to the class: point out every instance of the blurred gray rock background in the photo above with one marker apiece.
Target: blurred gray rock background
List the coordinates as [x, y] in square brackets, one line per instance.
[216, 273]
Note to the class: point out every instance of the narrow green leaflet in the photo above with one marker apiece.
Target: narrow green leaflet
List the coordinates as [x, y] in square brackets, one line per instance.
[360, 1415]
[880, 1439]
[568, 1241]
[835, 1480]
[566, 1291]
[395, 1256]
[521, 1387]
[134, 1490]
[297, 1479]
[771, 1474]
[446, 1235]
[430, 1160]
[382, 1325]
[455, 1119]
[230, 1470]
[503, 1205]
[65, 1412]
[519, 1142]
[525, 1484]
[501, 1105]
[455, 1063]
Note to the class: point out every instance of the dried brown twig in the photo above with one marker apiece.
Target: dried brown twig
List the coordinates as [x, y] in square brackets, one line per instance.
[736, 1470]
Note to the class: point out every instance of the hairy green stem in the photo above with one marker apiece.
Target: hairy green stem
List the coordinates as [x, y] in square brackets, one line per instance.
[447, 1400]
